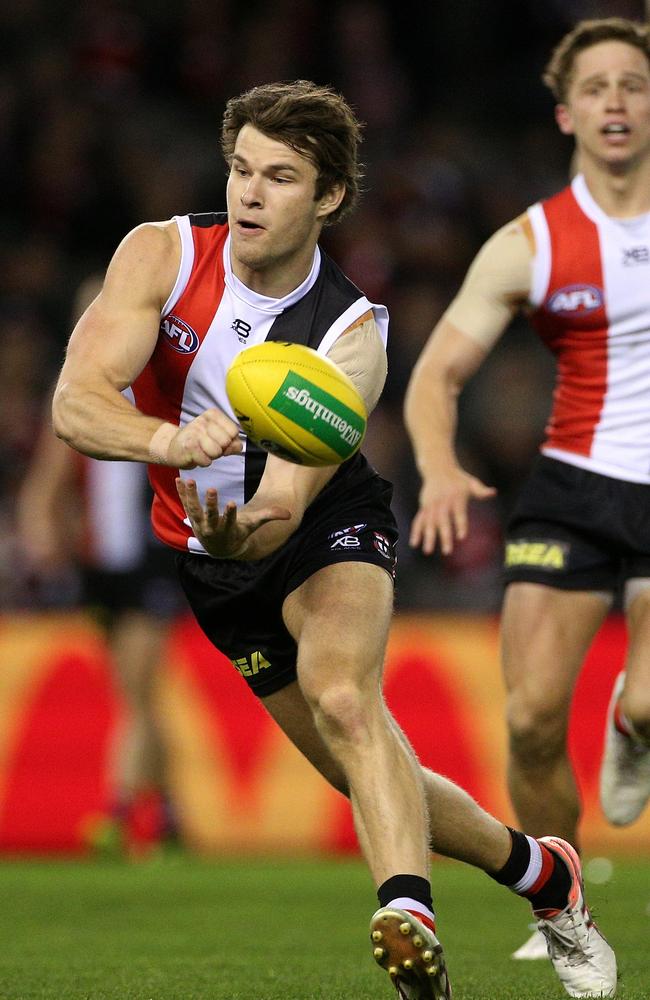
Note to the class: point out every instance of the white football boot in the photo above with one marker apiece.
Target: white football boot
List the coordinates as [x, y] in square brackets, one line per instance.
[582, 958]
[533, 949]
[411, 954]
[625, 770]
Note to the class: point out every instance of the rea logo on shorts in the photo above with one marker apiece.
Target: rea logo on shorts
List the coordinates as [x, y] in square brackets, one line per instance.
[575, 299]
[541, 555]
[250, 665]
[180, 337]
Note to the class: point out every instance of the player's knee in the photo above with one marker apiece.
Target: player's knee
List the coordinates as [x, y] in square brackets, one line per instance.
[341, 711]
[537, 733]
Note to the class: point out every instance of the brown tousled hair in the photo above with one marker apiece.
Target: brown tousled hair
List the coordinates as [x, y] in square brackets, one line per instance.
[559, 71]
[313, 120]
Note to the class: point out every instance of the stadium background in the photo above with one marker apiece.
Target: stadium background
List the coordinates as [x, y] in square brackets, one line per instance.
[109, 117]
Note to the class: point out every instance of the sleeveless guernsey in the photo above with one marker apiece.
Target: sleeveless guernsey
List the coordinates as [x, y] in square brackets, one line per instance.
[591, 306]
[209, 317]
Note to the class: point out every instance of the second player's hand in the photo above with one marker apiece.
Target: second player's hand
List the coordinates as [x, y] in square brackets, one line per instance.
[442, 516]
[223, 535]
[208, 436]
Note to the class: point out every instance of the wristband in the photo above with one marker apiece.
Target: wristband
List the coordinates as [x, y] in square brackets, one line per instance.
[160, 442]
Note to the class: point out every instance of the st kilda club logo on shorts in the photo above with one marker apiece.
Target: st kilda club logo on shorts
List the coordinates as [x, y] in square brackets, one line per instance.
[180, 337]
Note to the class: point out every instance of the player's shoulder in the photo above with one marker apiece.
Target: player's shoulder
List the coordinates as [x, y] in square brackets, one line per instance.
[162, 239]
[515, 239]
[151, 252]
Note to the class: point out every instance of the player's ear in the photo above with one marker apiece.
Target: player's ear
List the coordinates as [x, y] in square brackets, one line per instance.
[331, 200]
[563, 119]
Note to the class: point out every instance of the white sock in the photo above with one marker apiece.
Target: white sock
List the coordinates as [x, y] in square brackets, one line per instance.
[406, 903]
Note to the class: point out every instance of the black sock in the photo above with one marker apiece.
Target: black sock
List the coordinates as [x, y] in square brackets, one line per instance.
[412, 886]
[550, 890]
[517, 862]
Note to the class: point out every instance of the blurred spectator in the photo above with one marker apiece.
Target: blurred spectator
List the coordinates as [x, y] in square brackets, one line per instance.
[84, 537]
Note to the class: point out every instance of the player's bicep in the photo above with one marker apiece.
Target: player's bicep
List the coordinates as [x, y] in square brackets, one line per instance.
[361, 354]
[117, 333]
[450, 356]
[496, 286]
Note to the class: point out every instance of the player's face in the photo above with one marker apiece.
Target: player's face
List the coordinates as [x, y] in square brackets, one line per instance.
[274, 217]
[608, 104]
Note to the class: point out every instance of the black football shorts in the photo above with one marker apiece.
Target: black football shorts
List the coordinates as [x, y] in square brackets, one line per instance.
[239, 604]
[578, 530]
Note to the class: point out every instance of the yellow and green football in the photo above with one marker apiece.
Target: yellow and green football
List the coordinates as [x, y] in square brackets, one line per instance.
[296, 403]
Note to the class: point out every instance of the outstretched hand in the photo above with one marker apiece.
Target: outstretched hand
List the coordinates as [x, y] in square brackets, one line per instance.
[442, 516]
[225, 535]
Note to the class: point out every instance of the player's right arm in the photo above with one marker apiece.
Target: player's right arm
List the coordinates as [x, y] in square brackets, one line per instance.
[496, 285]
[108, 349]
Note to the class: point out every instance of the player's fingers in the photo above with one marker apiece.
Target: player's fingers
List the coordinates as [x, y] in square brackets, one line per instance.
[212, 508]
[215, 418]
[273, 513]
[459, 519]
[415, 535]
[430, 535]
[480, 490]
[189, 497]
[445, 533]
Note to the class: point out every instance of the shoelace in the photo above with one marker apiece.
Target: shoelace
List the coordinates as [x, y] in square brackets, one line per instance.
[563, 943]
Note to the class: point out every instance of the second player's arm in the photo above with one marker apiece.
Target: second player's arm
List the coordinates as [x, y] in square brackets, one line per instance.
[497, 284]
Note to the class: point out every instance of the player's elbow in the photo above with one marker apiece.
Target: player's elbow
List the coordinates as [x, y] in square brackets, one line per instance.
[63, 409]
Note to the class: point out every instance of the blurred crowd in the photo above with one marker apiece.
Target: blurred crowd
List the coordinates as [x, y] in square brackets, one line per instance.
[110, 114]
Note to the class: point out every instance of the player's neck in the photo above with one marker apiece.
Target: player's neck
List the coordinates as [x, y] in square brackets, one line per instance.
[277, 278]
[621, 194]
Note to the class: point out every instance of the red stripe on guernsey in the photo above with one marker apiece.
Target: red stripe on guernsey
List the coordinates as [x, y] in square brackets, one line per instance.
[159, 389]
[548, 864]
[574, 325]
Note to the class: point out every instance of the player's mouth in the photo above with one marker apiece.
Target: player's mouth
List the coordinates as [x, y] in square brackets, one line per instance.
[615, 130]
[248, 227]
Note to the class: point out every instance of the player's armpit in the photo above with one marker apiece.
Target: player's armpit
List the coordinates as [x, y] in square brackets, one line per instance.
[497, 284]
[361, 354]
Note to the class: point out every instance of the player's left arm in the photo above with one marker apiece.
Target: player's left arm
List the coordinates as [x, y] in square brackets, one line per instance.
[286, 490]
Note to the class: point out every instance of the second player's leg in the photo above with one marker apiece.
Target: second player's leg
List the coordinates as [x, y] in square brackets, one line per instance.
[546, 633]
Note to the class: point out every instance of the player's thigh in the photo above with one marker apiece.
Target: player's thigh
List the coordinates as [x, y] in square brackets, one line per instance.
[339, 618]
[637, 607]
[545, 634]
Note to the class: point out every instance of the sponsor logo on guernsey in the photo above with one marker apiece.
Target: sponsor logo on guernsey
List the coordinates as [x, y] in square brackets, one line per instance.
[635, 255]
[319, 413]
[541, 555]
[242, 329]
[251, 664]
[575, 299]
[180, 337]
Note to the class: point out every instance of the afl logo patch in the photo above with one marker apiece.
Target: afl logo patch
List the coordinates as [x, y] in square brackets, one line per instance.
[575, 299]
[180, 337]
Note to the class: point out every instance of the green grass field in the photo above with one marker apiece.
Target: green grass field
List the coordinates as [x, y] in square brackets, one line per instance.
[184, 929]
